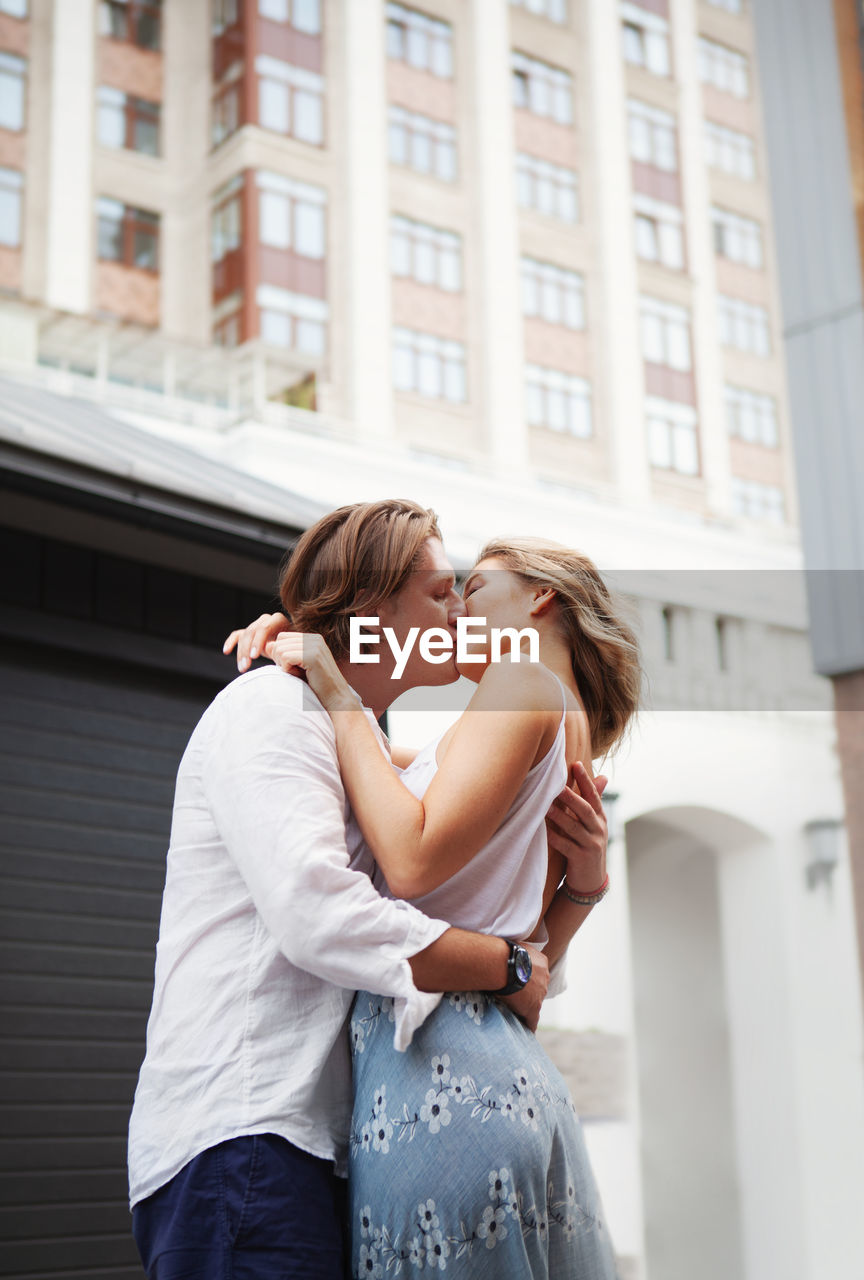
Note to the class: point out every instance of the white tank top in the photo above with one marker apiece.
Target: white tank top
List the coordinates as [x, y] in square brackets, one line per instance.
[501, 889]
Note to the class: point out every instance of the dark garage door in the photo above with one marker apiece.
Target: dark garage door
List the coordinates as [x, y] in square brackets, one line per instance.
[88, 754]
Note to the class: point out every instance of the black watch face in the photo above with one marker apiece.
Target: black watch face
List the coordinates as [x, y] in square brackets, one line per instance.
[522, 964]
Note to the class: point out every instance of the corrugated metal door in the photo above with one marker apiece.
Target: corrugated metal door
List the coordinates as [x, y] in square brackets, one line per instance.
[88, 755]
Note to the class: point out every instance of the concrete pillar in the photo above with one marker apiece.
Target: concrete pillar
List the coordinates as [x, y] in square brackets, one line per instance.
[71, 212]
[619, 364]
[707, 353]
[369, 322]
[495, 233]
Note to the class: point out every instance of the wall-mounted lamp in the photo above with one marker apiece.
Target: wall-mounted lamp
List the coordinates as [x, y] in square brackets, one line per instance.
[824, 837]
[610, 804]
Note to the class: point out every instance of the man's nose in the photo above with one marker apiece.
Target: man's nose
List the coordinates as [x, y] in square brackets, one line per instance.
[456, 608]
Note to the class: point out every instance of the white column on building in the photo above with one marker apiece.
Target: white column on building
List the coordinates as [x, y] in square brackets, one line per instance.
[368, 309]
[71, 215]
[707, 354]
[620, 368]
[500, 361]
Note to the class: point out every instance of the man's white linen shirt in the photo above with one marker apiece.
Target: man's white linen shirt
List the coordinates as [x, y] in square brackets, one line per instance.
[268, 926]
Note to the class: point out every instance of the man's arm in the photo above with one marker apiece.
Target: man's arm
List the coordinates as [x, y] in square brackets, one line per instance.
[270, 776]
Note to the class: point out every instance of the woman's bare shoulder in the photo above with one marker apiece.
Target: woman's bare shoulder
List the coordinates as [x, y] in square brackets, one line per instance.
[519, 686]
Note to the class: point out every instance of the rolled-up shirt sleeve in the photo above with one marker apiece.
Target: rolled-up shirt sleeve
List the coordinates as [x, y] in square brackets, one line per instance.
[270, 774]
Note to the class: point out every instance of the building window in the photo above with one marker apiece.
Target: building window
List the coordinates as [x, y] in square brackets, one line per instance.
[752, 416]
[126, 235]
[303, 15]
[542, 89]
[737, 238]
[290, 100]
[226, 13]
[292, 320]
[429, 366]
[652, 136]
[758, 501]
[645, 39]
[138, 21]
[422, 144]
[667, 620]
[424, 43]
[226, 226]
[425, 253]
[549, 188]
[659, 232]
[291, 215]
[731, 6]
[226, 107]
[723, 68]
[553, 294]
[15, 8]
[13, 74]
[11, 184]
[124, 121]
[554, 10]
[744, 326]
[721, 637]
[673, 443]
[558, 401]
[666, 334]
[730, 151]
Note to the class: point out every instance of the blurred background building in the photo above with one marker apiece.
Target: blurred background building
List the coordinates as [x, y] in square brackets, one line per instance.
[517, 261]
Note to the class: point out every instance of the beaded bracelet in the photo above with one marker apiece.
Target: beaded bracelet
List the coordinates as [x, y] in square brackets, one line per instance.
[586, 899]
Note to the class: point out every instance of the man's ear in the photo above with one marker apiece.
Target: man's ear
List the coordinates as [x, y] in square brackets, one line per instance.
[543, 599]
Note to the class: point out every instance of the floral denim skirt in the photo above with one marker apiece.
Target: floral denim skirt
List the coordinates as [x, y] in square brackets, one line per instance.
[466, 1152]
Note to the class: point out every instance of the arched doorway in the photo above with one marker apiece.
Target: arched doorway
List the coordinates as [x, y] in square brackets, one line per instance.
[711, 1023]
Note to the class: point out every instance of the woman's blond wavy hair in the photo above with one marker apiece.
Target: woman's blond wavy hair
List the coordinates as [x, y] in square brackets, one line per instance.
[604, 647]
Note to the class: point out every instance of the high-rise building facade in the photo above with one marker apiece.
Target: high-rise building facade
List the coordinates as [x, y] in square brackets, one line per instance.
[533, 236]
[515, 259]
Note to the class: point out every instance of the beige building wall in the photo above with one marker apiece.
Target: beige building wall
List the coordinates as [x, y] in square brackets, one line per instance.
[57, 265]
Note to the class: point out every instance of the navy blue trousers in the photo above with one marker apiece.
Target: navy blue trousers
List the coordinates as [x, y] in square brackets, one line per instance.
[251, 1208]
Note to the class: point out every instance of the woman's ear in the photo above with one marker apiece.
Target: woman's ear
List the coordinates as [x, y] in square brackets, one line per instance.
[543, 598]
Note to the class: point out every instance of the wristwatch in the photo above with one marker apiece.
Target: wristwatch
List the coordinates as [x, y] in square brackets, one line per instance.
[518, 969]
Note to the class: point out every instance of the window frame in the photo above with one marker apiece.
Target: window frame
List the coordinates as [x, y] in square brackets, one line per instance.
[133, 222]
[545, 277]
[564, 401]
[536, 76]
[416, 130]
[563, 183]
[736, 314]
[729, 229]
[297, 196]
[412, 23]
[133, 12]
[16, 69]
[428, 354]
[674, 322]
[443, 244]
[295, 81]
[679, 424]
[653, 32]
[667, 223]
[12, 181]
[132, 111]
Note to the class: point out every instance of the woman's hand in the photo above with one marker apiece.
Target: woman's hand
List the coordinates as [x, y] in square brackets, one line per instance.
[305, 653]
[576, 828]
[251, 641]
